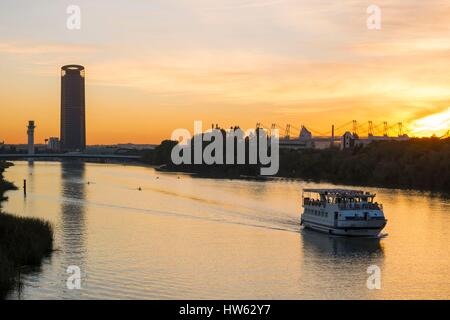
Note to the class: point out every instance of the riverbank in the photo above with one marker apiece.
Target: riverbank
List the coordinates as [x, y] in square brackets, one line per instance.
[418, 164]
[23, 241]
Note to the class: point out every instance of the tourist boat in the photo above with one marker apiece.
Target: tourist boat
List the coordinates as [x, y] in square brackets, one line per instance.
[342, 212]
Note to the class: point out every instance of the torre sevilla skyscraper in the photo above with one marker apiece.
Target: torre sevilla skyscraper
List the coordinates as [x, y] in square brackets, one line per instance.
[73, 120]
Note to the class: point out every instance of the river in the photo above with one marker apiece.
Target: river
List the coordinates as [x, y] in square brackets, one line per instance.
[181, 237]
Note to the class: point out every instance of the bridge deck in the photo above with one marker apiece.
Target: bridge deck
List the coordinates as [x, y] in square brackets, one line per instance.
[66, 155]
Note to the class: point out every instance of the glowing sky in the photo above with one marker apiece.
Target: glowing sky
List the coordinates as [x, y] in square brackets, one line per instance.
[153, 66]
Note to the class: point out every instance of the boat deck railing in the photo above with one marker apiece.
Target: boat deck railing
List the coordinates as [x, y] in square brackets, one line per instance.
[314, 203]
[360, 206]
[344, 206]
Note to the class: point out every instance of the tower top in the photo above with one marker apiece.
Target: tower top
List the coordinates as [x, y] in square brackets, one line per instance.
[72, 67]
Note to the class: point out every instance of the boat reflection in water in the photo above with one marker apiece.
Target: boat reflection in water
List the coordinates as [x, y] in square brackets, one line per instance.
[341, 245]
[348, 263]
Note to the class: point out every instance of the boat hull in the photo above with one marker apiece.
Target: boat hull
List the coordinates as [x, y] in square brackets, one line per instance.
[345, 231]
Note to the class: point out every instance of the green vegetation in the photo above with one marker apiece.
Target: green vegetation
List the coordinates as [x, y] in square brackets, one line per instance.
[23, 241]
[422, 164]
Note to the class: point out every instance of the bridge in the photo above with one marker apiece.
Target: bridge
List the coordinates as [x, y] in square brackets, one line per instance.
[362, 133]
[364, 129]
[68, 156]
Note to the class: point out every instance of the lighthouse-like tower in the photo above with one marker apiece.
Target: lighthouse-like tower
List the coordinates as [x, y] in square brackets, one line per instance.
[30, 133]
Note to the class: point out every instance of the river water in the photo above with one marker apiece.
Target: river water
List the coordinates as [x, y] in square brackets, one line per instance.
[190, 238]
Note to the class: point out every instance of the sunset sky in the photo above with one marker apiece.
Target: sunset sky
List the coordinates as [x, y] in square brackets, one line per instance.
[154, 66]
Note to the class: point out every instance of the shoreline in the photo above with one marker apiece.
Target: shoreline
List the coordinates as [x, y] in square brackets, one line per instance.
[353, 184]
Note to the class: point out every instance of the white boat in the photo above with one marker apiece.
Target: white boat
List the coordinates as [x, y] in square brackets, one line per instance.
[342, 212]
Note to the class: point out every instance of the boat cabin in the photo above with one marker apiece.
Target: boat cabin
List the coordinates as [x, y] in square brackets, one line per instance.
[343, 198]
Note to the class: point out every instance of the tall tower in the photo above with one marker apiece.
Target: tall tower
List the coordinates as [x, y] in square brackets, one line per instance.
[73, 121]
[30, 133]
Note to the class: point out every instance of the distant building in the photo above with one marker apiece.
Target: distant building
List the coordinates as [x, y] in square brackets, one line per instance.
[73, 121]
[30, 132]
[306, 137]
[304, 141]
[348, 140]
[53, 144]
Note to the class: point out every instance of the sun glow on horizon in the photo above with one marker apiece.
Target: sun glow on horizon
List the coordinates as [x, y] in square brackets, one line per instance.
[436, 124]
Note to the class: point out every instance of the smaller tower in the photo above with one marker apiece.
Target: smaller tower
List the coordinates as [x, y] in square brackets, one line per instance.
[30, 132]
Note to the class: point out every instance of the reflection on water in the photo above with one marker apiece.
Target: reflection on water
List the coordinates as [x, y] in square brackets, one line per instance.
[342, 247]
[347, 260]
[72, 211]
[73, 195]
[186, 238]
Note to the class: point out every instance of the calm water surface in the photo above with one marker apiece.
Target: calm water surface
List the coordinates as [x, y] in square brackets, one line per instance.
[190, 238]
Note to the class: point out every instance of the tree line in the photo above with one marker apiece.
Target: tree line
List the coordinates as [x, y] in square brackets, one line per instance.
[419, 163]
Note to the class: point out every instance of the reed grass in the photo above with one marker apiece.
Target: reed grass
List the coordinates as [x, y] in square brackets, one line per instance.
[23, 241]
